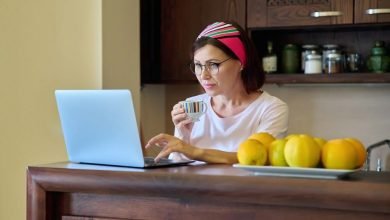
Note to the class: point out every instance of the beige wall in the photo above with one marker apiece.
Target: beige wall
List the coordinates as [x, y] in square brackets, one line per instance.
[121, 47]
[328, 111]
[44, 45]
[56, 44]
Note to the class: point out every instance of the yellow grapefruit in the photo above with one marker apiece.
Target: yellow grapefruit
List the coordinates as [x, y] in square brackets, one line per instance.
[263, 137]
[361, 151]
[290, 136]
[339, 154]
[276, 153]
[252, 152]
[302, 151]
[320, 141]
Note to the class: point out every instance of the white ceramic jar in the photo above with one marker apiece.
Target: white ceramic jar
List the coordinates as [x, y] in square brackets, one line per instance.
[313, 64]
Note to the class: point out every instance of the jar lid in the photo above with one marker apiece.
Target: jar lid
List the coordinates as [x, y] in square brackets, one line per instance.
[333, 55]
[291, 46]
[313, 56]
[310, 46]
[330, 46]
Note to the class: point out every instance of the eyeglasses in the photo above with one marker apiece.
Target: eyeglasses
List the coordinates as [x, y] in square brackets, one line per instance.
[211, 67]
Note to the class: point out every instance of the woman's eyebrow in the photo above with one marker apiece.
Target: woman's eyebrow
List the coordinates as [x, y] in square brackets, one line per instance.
[210, 60]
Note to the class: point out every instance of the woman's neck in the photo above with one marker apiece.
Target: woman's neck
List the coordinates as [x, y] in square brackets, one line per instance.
[226, 106]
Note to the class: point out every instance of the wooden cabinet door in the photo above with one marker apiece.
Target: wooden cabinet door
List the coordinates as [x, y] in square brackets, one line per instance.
[181, 22]
[372, 11]
[283, 13]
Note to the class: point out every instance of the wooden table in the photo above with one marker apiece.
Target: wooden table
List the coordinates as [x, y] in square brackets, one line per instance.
[76, 191]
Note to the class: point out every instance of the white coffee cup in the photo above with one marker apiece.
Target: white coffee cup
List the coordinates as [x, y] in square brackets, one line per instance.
[194, 109]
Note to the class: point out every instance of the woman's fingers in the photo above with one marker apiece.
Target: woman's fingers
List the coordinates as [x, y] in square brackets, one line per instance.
[163, 153]
[158, 140]
[178, 114]
[179, 118]
[167, 142]
[183, 124]
[177, 109]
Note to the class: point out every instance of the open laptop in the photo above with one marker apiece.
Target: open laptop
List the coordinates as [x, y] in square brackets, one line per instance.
[100, 127]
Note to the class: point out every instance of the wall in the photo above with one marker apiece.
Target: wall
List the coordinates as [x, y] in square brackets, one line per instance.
[121, 47]
[44, 45]
[328, 111]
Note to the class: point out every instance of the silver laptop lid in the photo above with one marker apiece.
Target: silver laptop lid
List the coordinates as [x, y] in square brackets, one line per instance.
[100, 127]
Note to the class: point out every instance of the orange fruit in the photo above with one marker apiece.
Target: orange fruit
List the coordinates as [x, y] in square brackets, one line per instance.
[339, 154]
[276, 153]
[361, 151]
[302, 151]
[252, 152]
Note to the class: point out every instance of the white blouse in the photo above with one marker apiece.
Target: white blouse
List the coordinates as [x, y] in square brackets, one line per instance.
[266, 114]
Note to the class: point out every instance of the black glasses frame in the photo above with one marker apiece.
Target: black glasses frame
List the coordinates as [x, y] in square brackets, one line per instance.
[206, 66]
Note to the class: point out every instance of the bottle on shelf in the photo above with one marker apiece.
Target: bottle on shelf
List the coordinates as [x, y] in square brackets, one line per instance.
[291, 59]
[270, 61]
[379, 61]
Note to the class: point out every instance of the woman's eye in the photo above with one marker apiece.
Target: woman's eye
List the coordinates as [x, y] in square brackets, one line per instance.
[214, 65]
[198, 66]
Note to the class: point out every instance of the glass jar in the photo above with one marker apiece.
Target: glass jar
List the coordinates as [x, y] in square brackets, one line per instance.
[379, 61]
[313, 64]
[328, 49]
[306, 50]
[290, 59]
[333, 63]
[354, 62]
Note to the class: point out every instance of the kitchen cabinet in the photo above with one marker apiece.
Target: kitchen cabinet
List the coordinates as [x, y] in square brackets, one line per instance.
[169, 27]
[371, 11]
[273, 13]
[180, 21]
[342, 22]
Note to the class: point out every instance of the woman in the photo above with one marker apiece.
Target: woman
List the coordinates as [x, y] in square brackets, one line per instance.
[227, 67]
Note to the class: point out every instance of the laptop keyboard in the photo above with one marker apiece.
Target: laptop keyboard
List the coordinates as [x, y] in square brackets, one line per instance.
[149, 161]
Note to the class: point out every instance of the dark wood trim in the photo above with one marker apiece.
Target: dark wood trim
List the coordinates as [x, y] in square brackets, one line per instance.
[326, 78]
[36, 199]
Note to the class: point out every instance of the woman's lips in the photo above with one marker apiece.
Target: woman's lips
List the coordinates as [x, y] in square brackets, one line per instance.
[208, 85]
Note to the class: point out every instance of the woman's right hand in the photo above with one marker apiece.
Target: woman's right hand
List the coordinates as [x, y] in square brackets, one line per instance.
[182, 123]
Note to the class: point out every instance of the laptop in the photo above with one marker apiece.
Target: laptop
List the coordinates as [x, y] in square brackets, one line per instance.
[100, 127]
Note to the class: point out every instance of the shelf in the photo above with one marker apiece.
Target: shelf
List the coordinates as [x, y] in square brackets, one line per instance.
[326, 78]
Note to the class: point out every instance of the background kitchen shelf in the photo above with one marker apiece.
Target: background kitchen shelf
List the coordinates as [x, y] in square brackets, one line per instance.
[168, 28]
[328, 78]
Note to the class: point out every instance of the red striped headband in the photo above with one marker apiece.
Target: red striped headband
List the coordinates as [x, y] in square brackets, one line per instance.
[228, 35]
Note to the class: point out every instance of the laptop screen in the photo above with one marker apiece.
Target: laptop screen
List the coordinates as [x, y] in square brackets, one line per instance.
[100, 127]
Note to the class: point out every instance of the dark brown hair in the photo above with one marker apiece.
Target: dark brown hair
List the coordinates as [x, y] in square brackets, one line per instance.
[252, 75]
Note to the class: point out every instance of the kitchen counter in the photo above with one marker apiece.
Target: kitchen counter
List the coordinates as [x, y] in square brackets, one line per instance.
[76, 191]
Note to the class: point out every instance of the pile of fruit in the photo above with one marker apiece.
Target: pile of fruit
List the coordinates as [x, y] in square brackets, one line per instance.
[302, 150]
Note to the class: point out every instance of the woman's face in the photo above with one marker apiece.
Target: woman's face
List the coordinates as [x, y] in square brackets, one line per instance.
[223, 82]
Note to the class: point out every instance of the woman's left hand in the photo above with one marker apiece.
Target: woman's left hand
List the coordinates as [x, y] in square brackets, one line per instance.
[170, 144]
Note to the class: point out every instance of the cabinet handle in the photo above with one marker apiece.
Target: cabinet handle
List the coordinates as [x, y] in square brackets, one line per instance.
[317, 14]
[374, 11]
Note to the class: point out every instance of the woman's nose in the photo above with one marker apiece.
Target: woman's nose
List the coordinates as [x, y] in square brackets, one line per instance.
[205, 74]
